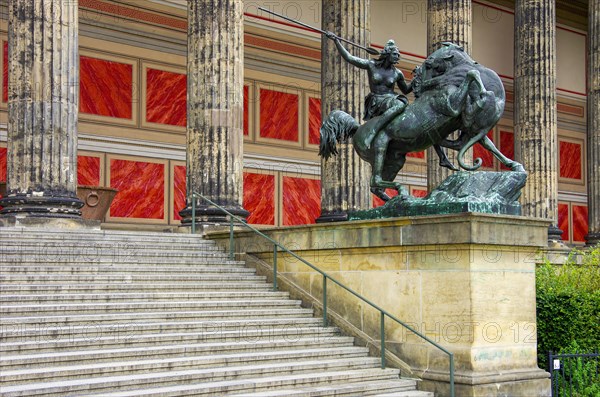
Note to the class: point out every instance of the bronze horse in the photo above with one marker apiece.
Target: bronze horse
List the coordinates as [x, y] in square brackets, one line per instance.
[453, 93]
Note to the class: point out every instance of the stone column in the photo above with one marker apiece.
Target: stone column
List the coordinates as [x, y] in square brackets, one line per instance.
[43, 103]
[215, 92]
[535, 108]
[593, 124]
[345, 177]
[447, 20]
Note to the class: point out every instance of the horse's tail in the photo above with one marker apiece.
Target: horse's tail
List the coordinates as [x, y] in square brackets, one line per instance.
[497, 104]
[337, 127]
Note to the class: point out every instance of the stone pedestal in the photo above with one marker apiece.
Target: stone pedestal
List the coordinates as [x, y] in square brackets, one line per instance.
[43, 105]
[593, 125]
[447, 20]
[535, 108]
[466, 281]
[345, 177]
[215, 115]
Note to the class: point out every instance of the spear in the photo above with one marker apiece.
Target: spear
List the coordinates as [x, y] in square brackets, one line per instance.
[370, 50]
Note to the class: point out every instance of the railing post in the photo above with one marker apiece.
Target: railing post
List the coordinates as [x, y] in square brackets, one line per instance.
[230, 238]
[382, 333]
[193, 214]
[324, 301]
[451, 374]
[274, 267]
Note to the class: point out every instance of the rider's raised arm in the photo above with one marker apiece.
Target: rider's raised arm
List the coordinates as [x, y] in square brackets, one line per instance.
[356, 61]
[401, 81]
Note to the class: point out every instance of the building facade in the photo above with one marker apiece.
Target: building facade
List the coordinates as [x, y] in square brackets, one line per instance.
[134, 79]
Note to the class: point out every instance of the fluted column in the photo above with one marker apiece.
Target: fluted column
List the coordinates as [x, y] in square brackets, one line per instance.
[215, 87]
[43, 102]
[535, 108]
[593, 125]
[344, 178]
[447, 21]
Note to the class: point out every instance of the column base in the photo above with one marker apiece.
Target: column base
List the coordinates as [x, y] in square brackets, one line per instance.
[592, 239]
[332, 217]
[55, 207]
[554, 234]
[209, 215]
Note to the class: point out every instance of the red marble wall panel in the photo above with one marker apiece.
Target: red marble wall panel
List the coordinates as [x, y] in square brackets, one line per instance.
[278, 115]
[5, 71]
[418, 155]
[179, 190]
[314, 121]
[166, 97]
[259, 198]
[301, 200]
[563, 220]
[507, 146]
[105, 87]
[246, 95]
[570, 160]
[88, 170]
[377, 202]
[486, 156]
[580, 222]
[3, 160]
[141, 188]
[419, 192]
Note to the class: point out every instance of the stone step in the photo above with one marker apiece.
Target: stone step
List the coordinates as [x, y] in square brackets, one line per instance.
[130, 317]
[245, 386]
[397, 388]
[88, 356]
[224, 279]
[119, 340]
[119, 307]
[36, 288]
[349, 357]
[114, 243]
[412, 393]
[100, 269]
[140, 296]
[14, 332]
[211, 381]
[137, 257]
[91, 252]
[123, 261]
[79, 234]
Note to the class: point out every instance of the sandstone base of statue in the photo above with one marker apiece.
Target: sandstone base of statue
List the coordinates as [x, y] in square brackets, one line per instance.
[466, 281]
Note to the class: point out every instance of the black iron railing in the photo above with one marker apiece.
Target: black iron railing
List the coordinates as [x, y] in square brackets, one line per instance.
[383, 314]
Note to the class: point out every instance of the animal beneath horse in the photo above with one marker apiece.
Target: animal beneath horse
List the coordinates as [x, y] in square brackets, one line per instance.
[454, 93]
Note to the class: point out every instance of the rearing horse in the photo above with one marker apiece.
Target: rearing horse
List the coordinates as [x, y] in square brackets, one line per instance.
[455, 93]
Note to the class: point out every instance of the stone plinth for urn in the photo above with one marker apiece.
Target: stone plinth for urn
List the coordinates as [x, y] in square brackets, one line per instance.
[97, 200]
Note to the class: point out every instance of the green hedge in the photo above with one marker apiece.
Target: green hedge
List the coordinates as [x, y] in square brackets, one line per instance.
[568, 305]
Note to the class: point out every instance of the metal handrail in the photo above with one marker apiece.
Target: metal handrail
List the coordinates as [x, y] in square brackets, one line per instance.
[276, 245]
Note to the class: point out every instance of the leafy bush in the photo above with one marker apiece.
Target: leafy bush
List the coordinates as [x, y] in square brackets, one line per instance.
[568, 305]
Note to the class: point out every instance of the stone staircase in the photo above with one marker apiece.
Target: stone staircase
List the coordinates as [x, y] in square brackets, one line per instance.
[158, 314]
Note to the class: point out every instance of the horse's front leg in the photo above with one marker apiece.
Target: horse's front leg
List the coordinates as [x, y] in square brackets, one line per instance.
[456, 101]
[489, 145]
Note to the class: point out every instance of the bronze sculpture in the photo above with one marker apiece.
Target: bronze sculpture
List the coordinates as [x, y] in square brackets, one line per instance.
[453, 92]
[383, 76]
